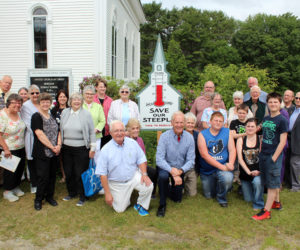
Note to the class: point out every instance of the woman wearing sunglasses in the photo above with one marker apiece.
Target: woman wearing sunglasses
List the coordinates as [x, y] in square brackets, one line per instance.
[28, 109]
[123, 109]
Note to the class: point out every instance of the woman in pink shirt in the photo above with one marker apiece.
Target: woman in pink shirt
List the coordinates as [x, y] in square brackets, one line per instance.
[101, 98]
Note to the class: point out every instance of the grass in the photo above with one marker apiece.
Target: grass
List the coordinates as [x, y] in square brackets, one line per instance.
[193, 224]
[196, 223]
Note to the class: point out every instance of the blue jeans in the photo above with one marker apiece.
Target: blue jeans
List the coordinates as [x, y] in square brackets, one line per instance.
[253, 191]
[217, 185]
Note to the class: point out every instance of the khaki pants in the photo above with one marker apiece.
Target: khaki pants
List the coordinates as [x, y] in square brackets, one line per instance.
[121, 192]
[190, 182]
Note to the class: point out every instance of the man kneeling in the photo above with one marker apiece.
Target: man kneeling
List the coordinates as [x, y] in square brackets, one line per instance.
[217, 151]
[122, 166]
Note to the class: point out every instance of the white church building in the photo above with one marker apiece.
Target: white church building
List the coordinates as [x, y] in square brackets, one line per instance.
[55, 43]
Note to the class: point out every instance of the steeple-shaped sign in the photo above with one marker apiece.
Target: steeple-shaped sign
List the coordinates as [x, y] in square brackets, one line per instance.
[158, 100]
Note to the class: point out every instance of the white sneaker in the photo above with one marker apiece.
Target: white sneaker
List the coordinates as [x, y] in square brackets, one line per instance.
[18, 192]
[33, 190]
[101, 192]
[9, 195]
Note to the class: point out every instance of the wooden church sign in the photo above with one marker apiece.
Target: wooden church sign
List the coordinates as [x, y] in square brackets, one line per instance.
[158, 100]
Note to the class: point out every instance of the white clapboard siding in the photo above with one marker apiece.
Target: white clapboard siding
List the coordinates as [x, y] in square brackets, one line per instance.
[79, 37]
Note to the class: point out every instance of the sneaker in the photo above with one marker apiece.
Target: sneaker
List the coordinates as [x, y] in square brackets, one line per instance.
[142, 211]
[67, 198]
[294, 190]
[33, 190]
[18, 192]
[80, 203]
[277, 205]
[9, 195]
[262, 215]
[101, 192]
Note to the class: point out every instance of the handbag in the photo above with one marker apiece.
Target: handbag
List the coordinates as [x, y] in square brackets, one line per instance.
[91, 182]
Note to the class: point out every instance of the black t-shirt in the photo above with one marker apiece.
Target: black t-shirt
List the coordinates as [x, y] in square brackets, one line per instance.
[38, 150]
[251, 158]
[238, 126]
[272, 128]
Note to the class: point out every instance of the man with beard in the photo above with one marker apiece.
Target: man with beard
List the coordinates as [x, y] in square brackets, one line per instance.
[202, 102]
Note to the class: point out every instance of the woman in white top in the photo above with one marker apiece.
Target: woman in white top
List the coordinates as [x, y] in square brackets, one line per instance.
[123, 109]
[215, 100]
[28, 109]
[238, 98]
[12, 133]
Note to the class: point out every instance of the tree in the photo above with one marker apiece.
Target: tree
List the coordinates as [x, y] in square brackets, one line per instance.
[273, 43]
[177, 66]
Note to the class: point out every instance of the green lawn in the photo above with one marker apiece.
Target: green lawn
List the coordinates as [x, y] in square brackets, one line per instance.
[196, 223]
[193, 224]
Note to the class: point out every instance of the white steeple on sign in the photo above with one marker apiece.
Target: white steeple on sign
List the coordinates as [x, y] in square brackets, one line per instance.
[158, 100]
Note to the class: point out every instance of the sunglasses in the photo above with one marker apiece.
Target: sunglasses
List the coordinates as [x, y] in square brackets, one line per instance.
[35, 93]
[124, 92]
[297, 98]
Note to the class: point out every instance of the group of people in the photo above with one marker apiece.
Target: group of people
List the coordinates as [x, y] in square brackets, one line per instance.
[254, 144]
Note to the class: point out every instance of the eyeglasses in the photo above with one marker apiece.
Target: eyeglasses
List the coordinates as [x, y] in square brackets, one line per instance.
[297, 98]
[35, 93]
[124, 92]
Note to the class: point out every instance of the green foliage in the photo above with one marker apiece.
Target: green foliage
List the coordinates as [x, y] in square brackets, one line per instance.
[177, 64]
[273, 43]
[232, 78]
[198, 38]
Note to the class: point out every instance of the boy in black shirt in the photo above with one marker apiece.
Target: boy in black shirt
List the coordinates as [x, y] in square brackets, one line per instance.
[237, 129]
[274, 129]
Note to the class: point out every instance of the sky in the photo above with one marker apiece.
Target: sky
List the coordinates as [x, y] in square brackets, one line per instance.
[238, 9]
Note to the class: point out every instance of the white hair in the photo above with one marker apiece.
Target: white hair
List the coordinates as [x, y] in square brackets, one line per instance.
[254, 78]
[238, 94]
[73, 96]
[32, 87]
[190, 115]
[111, 125]
[177, 113]
[124, 87]
[88, 88]
[255, 87]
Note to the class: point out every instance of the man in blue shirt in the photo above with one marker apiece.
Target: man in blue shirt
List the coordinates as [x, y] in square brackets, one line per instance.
[217, 151]
[122, 166]
[175, 155]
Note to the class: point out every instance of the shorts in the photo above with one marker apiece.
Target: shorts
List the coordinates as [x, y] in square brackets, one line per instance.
[270, 170]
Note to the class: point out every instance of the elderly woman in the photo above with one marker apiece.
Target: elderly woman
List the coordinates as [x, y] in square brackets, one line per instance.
[238, 98]
[28, 109]
[123, 109]
[257, 107]
[12, 134]
[46, 147]
[190, 177]
[97, 113]
[133, 128]
[215, 100]
[101, 98]
[23, 92]
[78, 145]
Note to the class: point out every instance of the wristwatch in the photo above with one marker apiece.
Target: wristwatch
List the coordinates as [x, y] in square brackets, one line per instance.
[144, 174]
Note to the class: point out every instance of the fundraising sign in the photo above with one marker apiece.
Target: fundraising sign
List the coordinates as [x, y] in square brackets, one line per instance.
[158, 100]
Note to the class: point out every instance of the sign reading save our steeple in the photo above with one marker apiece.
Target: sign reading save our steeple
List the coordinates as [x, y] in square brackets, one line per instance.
[158, 100]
